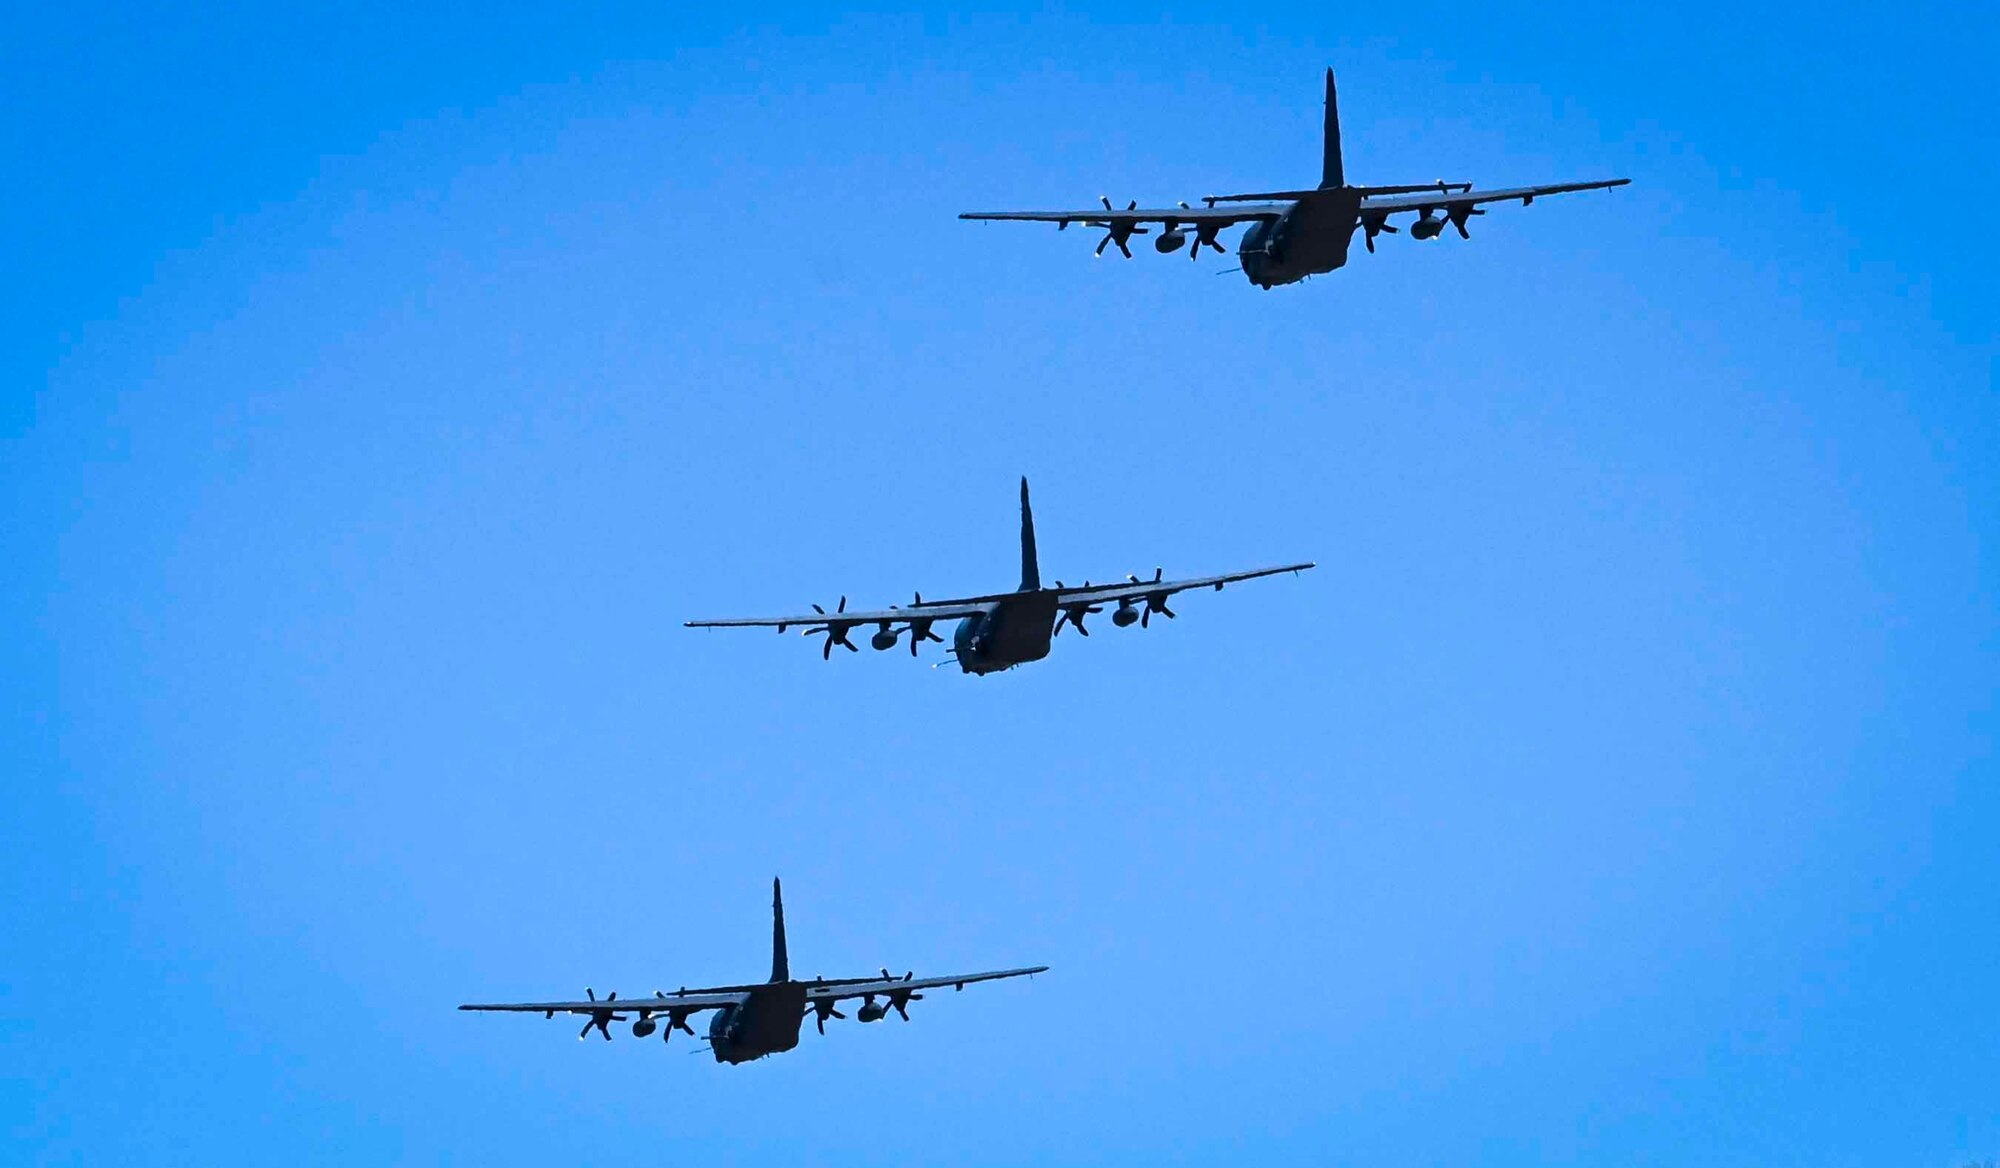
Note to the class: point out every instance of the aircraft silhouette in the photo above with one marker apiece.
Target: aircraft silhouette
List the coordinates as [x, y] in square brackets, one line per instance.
[1004, 629]
[760, 1019]
[1296, 234]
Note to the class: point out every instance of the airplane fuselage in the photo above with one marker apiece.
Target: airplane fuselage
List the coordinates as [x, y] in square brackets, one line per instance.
[1310, 238]
[1012, 631]
[768, 1023]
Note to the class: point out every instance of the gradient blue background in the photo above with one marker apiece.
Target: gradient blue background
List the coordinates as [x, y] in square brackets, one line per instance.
[383, 387]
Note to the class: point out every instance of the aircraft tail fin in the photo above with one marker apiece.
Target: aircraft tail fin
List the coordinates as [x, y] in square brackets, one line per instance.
[1332, 173]
[1031, 571]
[781, 965]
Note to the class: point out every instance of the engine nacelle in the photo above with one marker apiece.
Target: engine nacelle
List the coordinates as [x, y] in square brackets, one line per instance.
[644, 1027]
[871, 1011]
[1125, 617]
[884, 640]
[1427, 228]
[1169, 241]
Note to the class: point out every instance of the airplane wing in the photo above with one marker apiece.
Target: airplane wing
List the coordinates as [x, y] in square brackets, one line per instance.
[1134, 589]
[845, 619]
[1120, 226]
[1182, 216]
[835, 625]
[1467, 199]
[897, 986]
[657, 1004]
[1140, 599]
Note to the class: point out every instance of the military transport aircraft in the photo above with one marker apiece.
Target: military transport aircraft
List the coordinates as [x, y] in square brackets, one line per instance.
[1004, 629]
[1296, 234]
[752, 1021]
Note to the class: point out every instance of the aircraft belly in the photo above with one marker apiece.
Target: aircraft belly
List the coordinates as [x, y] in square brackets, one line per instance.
[1319, 238]
[774, 1017]
[767, 1024]
[1319, 231]
[1019, 630]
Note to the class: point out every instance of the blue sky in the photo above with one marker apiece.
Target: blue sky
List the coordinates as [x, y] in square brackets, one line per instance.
[386, 386]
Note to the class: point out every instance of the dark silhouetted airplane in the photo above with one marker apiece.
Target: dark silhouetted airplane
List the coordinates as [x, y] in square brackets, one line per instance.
[1296, 234]
[752, 1021]
[1005, 629]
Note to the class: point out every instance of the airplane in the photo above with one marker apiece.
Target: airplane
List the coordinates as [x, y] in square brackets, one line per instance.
[1004, 629]
[1296, 234]
[765, 1018]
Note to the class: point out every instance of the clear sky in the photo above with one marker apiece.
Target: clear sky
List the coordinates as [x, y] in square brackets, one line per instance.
[384, 386]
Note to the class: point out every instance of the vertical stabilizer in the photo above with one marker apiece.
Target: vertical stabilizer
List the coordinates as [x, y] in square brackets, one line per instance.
[1031, 571]
[1331, 173]
[781, 966]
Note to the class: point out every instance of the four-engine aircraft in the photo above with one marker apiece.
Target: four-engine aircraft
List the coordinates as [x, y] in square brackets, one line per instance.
[752, 1021]
[1004, 629]
[1296, 234]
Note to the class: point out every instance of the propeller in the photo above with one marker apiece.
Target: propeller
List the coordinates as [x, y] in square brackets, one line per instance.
[1117, 231]
[1073, 614]
[836, 631]
[1155, 601]
[1374, 227]
[920, 629]
[824, 1008]
[1458, 216]
[900, 999]
[600, 1019]
[676, 1019]
[1204, 236]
